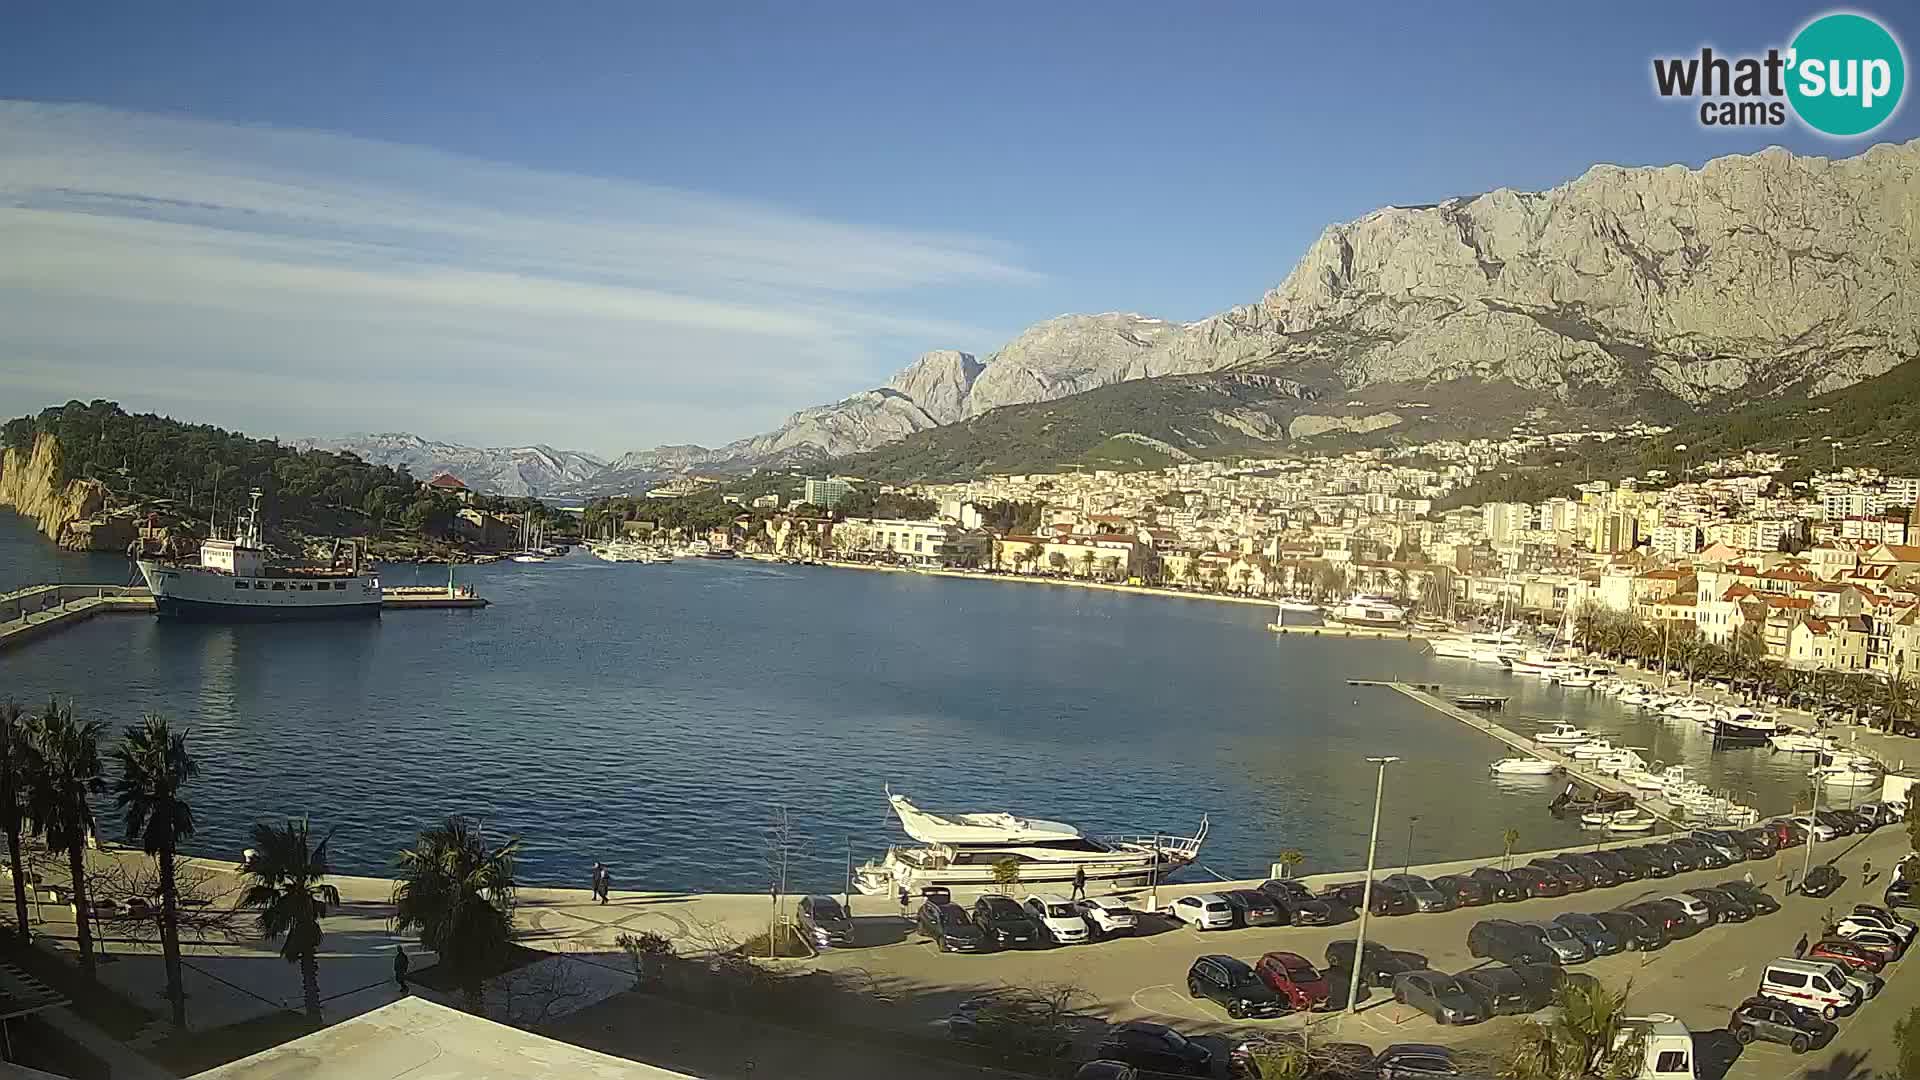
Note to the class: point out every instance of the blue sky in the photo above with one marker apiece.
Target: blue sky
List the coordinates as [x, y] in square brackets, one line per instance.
[608, 226]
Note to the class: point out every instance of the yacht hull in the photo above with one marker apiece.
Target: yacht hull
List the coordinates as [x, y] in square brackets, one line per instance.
[173, 607]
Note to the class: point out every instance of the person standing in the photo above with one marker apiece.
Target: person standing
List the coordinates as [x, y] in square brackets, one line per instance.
[606, 885]
[1866, 871]
[1800, 948]
[1079, 883]
[599, 880]
[1749, 877]
[400, 966]
[903, 901]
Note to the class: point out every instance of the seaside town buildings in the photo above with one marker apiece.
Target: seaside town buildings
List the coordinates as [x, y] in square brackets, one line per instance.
[1819, 572]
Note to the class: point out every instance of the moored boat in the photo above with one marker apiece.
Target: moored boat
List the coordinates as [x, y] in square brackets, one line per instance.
[1523, 766]
[235, 582]
[1562, 734]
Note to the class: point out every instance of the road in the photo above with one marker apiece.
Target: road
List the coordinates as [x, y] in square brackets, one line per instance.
[1699, 979]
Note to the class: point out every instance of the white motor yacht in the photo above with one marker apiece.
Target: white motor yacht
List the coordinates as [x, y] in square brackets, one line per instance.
[1630, 821]
[1643, 779]
[959, 851]
[1853, 774]
[1363, 610]
[1593, 749]
[1794, 740]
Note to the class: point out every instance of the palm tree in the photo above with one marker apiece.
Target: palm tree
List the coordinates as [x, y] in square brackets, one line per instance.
[1589, 1040]
[458, 894]
[154, 764]
[1086, 563]
[1034, 553]
[291, 894]
[14, 731]
[1507, 840]
[1289, 859]
[64, 772]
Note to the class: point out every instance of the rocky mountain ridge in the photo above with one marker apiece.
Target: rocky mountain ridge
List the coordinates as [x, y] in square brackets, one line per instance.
[513, 471]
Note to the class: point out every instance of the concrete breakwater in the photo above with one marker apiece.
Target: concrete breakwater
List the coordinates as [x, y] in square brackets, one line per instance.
[29, 614]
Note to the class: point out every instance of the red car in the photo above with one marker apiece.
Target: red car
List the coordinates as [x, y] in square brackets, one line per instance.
[1291, 976]
[1851, 953]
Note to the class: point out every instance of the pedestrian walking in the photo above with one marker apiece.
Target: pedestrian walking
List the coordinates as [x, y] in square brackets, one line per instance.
[400, 966]
[598, 871]
[606, 885]
[1079, 883]
[903, 901]
[1749, 877]
[1866, 871]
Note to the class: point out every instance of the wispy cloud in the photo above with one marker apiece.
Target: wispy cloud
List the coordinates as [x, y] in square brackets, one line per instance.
[304, 282]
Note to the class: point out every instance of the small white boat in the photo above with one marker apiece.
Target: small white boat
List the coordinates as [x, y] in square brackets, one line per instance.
[1523, 766]
[1630, 821]
[529, 556]
[1800, 741]
[1848, 776]
[1620, 762]
[1562, 735]
[1642, 779]
[1576, 682]
[1593, 749]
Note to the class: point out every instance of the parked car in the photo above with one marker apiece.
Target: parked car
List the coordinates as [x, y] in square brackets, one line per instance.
[1767, 1020]
[1566, 945]
[1380, 965]
[1533, 881]
[1499, 990]
[1633, 931]
[1752, 895]
[1723, 842]
[1672, 919]
[1821, 880]
[1705, 855]
[1596, 871]
[1440, 996]
[1155, 1047]
[1106, 1070]
[1698, 910]
[1007, 1009]
[1251, 907]
[1385, 901]
[1644, 861]
[1799, 827]
[1107, 917]
[1884, 919]
[1300, 907]
[1569, 876]
[1415, 1061]
[946, 925]
[823, 920]
[1465, 891]
[1503, 886]
[1295, 978]
[1726, 907]
[1682, 860]
[1005, 922]
[1425, 896]
[1878, 813]
[1849, 953]
[1234, 986]
[1592, 933]
[1812, 983]
[1508, 942]
[1866, 817]
[1545, 980]
[1758, 843]
[1060, 922]
[1899, 894]
[1624, 869]
[1203, 911]
[1842, 823]
[1891, 945]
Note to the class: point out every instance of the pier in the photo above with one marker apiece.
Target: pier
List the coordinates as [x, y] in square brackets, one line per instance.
[1575, 769]
[34, 612]
[1317, 630]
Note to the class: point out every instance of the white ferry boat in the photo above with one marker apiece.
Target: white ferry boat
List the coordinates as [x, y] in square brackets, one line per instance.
[960, 851]
[233, 583]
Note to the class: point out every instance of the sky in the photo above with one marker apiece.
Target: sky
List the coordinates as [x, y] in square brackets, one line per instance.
[607, 226]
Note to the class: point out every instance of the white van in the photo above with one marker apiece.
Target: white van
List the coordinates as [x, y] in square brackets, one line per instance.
[1813, 984]
[1669, 1047]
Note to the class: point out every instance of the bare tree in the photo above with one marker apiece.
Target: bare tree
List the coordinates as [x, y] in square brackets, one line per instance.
[124, 892]
[539, 993]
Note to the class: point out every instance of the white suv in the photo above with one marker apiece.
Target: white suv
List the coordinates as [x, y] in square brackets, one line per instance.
[1203, 911]
[1696, 909]
[1866, 920]
[1058, 917]
[1107, 916]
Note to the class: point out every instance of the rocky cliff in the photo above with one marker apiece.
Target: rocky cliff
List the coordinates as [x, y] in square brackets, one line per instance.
[1755, 275]
[30, 485]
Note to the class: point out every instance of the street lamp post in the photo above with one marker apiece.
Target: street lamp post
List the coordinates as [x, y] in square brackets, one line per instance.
[1407, 867]
[1812, 823]
[1366, 891]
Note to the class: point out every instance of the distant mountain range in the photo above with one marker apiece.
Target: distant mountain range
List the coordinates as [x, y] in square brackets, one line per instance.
[1645, 292]
[518, 471]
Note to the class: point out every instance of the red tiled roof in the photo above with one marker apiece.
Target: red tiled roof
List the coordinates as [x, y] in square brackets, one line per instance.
[447, 481]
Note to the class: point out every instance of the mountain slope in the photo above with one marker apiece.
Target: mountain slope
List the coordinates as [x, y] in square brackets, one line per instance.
[512, 471]
[1657, 292]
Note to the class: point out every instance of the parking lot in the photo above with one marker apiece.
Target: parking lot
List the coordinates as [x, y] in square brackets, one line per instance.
[1698, 979]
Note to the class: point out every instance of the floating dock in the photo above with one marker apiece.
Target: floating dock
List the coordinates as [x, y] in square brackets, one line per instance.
[1345, 631]
[1575, 769]
[416, 597]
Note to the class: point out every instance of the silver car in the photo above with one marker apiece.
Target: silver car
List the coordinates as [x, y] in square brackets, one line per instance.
[1564, 942]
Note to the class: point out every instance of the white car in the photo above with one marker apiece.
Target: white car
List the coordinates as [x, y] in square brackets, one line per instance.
[1874, 937]
[1821, 830]
[1203, 911]
[1860, 921]
[1058, 918]
[1107, 916]
[1696, 909]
